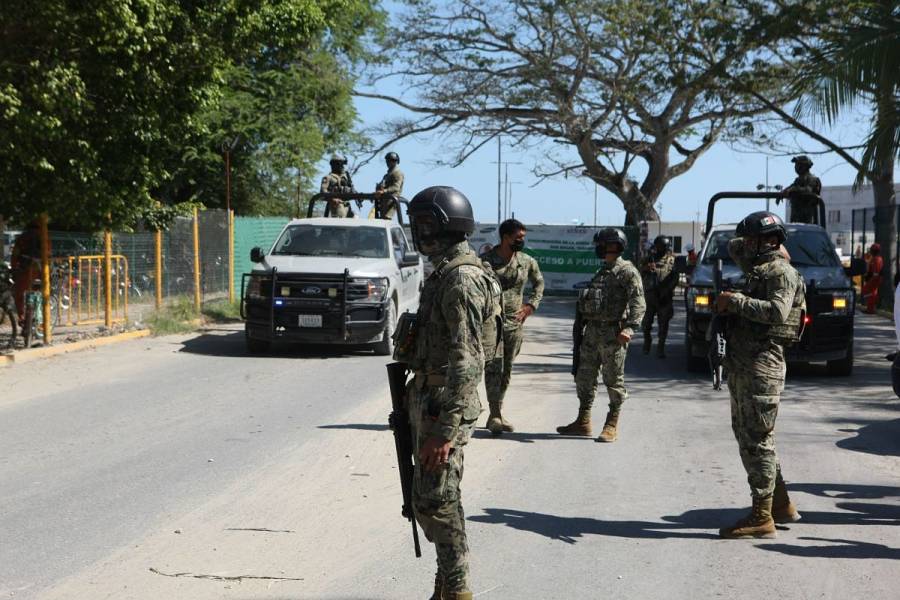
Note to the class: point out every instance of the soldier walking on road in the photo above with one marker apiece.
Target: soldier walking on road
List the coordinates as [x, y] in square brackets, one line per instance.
[459, 309]
[606, 315]
[391, 185]
[764, 318]
[337, 182]
[659, 279]
[513, 268]
[804, 193]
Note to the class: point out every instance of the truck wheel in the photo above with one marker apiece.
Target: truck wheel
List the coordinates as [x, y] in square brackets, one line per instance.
[842, 367]
[255, 346]
[386, 346]
[693, 363]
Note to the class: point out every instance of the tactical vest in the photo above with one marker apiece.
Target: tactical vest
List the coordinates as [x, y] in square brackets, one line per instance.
[408, 348]
[603, 300]
[786, 333]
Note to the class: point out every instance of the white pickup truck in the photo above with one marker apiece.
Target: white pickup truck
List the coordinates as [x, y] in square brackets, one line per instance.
[331, 281]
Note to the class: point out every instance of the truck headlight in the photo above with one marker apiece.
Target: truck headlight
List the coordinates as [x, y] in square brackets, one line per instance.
[258, 288]
[842, 303]
[699, 299]
[377, 288]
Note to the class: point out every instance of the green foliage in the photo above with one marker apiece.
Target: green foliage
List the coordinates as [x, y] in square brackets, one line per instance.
[222, 311]
[179, 316]
[107, 107]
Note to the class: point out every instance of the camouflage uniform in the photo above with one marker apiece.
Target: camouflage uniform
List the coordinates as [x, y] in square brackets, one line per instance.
[392, 185]
[659, 287]
[766, 317]
[613, 303]
[803, 195]
[337, 183]
[443, 398]
[512, 276]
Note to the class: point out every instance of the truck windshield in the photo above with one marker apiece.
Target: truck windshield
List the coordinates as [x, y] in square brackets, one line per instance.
[325, 240]
[807, 248]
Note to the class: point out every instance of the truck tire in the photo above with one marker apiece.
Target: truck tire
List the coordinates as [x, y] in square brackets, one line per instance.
[693, 364]
[255, 346]
[386, 346]
[842, 367]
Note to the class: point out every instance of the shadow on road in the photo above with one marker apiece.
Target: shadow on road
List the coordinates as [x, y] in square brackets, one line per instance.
[846, 491]
[881, 438]
[232, 345]
[569, 529]
[357, 426]
[837, 549]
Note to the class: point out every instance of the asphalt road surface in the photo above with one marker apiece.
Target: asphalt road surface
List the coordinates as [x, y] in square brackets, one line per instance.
[181, 468]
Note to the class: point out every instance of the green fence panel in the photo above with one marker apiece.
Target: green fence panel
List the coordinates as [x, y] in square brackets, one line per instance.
[250, 232]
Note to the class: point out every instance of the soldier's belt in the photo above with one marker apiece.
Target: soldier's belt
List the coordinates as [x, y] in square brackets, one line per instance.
[603, 321]
[423, 378]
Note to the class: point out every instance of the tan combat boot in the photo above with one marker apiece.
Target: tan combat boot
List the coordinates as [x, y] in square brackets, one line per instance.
[783, 510]
[609, 433]
[459, 596]
[758, 524]
[439, 593]
[494, 423]
[580, 426]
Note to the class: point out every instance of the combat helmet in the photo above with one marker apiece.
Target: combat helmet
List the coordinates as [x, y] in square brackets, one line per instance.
[392, 156]
[802, 160]
[338, 158]
[663, 241]
[761, 223]
[440, 213]
[611, 235]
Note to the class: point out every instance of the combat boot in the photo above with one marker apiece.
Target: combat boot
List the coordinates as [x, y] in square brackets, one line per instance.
[458, 596]
[580, 426]
[609, 433]
[758, 524]
[783, 510]
[439, 592]
[495, 422]
[507, 426]
[661, 348]
[648, 342]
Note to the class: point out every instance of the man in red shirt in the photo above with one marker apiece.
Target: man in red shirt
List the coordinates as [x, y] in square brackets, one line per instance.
[872, 279]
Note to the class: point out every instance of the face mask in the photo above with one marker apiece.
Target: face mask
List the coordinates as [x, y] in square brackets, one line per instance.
[518, 245]
[743, 252]
[600, 251]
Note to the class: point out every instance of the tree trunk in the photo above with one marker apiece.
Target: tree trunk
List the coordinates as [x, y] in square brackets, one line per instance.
[886, 230]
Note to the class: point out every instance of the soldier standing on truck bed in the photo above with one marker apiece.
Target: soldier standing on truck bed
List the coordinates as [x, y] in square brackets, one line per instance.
[390, 186]
[337, 182]
[804, 193]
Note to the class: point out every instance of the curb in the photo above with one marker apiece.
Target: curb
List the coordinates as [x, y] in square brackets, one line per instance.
[24, 356]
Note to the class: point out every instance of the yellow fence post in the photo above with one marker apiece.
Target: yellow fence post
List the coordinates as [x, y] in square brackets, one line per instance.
[45, 277]
[107, 277]
[159, 270]
[196, 262]
[231, 256]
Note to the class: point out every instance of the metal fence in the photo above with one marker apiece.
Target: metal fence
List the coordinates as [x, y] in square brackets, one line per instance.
[862, 233]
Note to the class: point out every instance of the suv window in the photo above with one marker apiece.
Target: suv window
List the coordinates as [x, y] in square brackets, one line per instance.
[807, 248]
[400, 245]
[325, 240]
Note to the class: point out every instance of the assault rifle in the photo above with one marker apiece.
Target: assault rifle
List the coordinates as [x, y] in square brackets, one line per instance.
[403, 442]
[715, 335]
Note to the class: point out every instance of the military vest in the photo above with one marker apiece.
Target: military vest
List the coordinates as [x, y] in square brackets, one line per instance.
[606, 299]
[786, 333]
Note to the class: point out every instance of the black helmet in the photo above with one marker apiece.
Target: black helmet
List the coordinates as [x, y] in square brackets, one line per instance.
[392, 156]
[337, 158]
[802, 160]
[761, 223]
[437, 211]
[663, 241]
[611, 235]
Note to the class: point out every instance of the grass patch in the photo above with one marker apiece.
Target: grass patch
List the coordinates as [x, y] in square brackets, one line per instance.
[222, 311]
[178, 316]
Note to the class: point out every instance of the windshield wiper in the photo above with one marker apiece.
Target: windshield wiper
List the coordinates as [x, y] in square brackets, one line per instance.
[293, 253]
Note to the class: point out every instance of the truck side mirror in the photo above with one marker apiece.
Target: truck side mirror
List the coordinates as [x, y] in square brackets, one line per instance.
[857, 267]
[410, 259]
[256, 255]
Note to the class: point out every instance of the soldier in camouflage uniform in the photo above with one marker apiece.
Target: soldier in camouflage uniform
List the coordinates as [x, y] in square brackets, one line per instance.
[457, 324]
[513, 268]
[804, 193]
[659, 279]
[606, 316]
[336, 182]
[764, 318]
[390, 185]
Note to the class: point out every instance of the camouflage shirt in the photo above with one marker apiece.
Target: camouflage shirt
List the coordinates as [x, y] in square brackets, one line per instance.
[392, 182]
[615, 295]
[452, 310]
[661, 282]
[336, 183]
[512, 276]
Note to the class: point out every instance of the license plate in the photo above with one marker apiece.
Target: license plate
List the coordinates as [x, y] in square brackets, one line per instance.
[310, 320]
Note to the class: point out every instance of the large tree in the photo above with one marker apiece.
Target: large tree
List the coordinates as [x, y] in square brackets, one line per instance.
[630, 89]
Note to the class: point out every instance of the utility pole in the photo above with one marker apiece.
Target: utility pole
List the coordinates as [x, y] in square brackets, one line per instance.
[595, 204]
[502, 194]
[499, 163]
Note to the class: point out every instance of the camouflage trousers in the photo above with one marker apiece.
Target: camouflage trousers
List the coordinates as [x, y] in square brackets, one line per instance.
[498, 371]
[662, 309]
[755, 394]
[601, 354]
[437, 498]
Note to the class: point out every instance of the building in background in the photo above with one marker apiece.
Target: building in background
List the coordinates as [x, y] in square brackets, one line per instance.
[681, 232]
[841, 203]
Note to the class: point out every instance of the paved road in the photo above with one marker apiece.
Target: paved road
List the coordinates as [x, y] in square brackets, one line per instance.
[161, 468]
